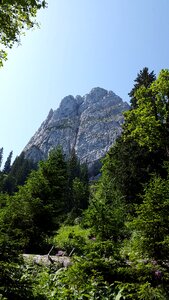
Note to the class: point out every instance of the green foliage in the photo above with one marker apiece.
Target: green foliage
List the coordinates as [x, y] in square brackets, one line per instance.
[50, 183]
[36, 209]
[7, 165]
[91, 277]
[63, 285]
[80, 194]
[106, 212]
[20, 222]
[144, 78]
[44, 202]
[72, 238]
[148, 123]
[143, 291]
[14, 174]
[20, 170]
[13, 284]
[73, 166]
[46, 196]
[151, 224]
[120, 241]
[1, 156]
[130, 172]
[16, 17]
[78, 187]
[142, 124]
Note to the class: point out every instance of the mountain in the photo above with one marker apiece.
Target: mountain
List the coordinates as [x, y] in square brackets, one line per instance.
[88, 124]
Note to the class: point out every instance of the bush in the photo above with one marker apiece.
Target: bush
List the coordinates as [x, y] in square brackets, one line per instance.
[72, 237]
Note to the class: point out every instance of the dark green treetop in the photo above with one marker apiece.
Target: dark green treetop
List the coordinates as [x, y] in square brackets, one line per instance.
[144, 78]
[7, 165]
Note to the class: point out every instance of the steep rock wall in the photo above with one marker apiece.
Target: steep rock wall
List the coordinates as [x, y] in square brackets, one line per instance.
[89, 124]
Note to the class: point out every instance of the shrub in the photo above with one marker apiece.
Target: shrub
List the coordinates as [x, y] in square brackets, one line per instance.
[72, 237]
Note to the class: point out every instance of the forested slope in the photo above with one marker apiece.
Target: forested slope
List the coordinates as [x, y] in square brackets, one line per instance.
[116, 229]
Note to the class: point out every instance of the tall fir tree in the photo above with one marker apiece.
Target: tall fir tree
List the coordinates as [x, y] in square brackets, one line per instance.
[1, 156]
[7, 165]
[144, 78]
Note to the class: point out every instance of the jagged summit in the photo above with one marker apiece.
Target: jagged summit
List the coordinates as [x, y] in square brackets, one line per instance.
[90, 124]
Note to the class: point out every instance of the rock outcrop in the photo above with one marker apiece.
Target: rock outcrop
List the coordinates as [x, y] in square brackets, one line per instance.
[88, 124]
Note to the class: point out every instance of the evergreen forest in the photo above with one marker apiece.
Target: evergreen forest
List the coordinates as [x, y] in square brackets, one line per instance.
[114, 230]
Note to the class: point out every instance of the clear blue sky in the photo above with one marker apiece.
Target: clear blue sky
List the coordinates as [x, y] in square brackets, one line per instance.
[81, 44]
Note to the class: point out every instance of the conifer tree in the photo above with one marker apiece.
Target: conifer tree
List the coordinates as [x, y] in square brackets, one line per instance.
[7, 165]
[1, 156]
[151, 226]
[106, 211]
[144, 78]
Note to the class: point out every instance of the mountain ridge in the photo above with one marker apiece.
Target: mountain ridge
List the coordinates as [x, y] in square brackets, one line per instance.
[88, 124]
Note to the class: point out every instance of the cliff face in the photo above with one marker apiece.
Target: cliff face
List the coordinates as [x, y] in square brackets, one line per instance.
[89, 124]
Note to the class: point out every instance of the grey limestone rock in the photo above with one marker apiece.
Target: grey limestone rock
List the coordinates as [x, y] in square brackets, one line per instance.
[88, 124]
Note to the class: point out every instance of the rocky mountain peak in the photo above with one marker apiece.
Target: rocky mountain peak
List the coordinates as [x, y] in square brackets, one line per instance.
[89, 124]
[97, 93]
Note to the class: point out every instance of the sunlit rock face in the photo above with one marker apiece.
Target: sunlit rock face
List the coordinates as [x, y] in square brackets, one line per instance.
[88, 124]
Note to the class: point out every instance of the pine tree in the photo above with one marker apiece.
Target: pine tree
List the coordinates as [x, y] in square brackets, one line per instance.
[1, 156]
[7, 165]
[45, 198]
[106, 211]
[73, 166]
[151, 226]
[78, 185]
[131, 166]
[144, 78]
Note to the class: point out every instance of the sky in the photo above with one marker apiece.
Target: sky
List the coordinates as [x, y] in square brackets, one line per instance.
[80, 44]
